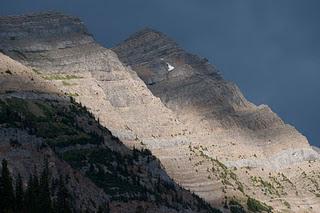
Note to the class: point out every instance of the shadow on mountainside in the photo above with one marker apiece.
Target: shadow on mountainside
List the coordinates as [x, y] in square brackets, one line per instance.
[37, 122]
[129, 177]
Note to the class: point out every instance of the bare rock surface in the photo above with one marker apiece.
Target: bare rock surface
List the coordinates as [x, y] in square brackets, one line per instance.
[199, 96]
[192, 87]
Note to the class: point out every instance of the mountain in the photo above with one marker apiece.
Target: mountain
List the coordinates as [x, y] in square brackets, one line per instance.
[225, 125]
[195, 91]
[39, 124]
[207, 136]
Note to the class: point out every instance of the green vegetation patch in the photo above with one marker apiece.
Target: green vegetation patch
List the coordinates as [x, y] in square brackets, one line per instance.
[257, 206]
[66, 83]
[61, 77]
[227, 176]
[287, 204]
[72, 94]
[57, 123]
[236, 207]
[36, 71]
[267, 186]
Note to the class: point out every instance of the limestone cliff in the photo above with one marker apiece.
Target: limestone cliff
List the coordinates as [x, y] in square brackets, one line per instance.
[196, 92]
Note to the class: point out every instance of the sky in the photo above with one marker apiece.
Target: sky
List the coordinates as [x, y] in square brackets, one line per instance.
[269, 48]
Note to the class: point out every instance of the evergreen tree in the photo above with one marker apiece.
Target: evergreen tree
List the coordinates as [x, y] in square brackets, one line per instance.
[107, 208]
[45, 204]
[1, 193]
[35, 187]
[104, 208]
[158, 184]
[62, 202]
[32, 194]
[19, 194]
[7, 195]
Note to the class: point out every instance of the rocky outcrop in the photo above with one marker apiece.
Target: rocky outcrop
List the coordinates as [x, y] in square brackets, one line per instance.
[149, 53]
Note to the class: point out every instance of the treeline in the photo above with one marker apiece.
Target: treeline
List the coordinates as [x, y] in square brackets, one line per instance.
[37, 197]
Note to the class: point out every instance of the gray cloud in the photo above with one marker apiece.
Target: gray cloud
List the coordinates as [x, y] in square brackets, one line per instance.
[270, 48]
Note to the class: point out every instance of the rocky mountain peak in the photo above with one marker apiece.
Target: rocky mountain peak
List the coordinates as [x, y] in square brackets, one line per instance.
[150, 43]
[157, 57]
[192, 87]
[52, 42]
[148, 33]
[43, 25]
[39, 32]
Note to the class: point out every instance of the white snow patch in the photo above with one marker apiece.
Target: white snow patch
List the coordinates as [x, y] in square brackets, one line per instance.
[170, 67]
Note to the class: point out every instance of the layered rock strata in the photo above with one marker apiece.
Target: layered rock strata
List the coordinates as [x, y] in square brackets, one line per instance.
[182, 109]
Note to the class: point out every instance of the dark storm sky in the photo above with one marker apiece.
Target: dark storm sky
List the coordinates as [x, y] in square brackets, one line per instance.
[270, 48]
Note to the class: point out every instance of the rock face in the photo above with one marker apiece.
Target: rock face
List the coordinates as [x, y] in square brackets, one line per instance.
[177, 105]
[31, 40]
[223, 121]
[101, 81]
[188, 83]
[195, 91]
[38, 124]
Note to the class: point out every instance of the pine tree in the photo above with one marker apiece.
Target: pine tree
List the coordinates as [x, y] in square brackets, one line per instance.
[62, 202]
[1, 193]
[7, 195]
[45, 204]
[108, 208]
[36, 189]
[31, 194]
[158, 184]
[101, 209]
[104, 208]
[19, 194]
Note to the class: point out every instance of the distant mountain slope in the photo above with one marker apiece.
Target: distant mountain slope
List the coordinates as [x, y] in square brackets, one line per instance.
[208, 137]
[195, 91]
[227, 126]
